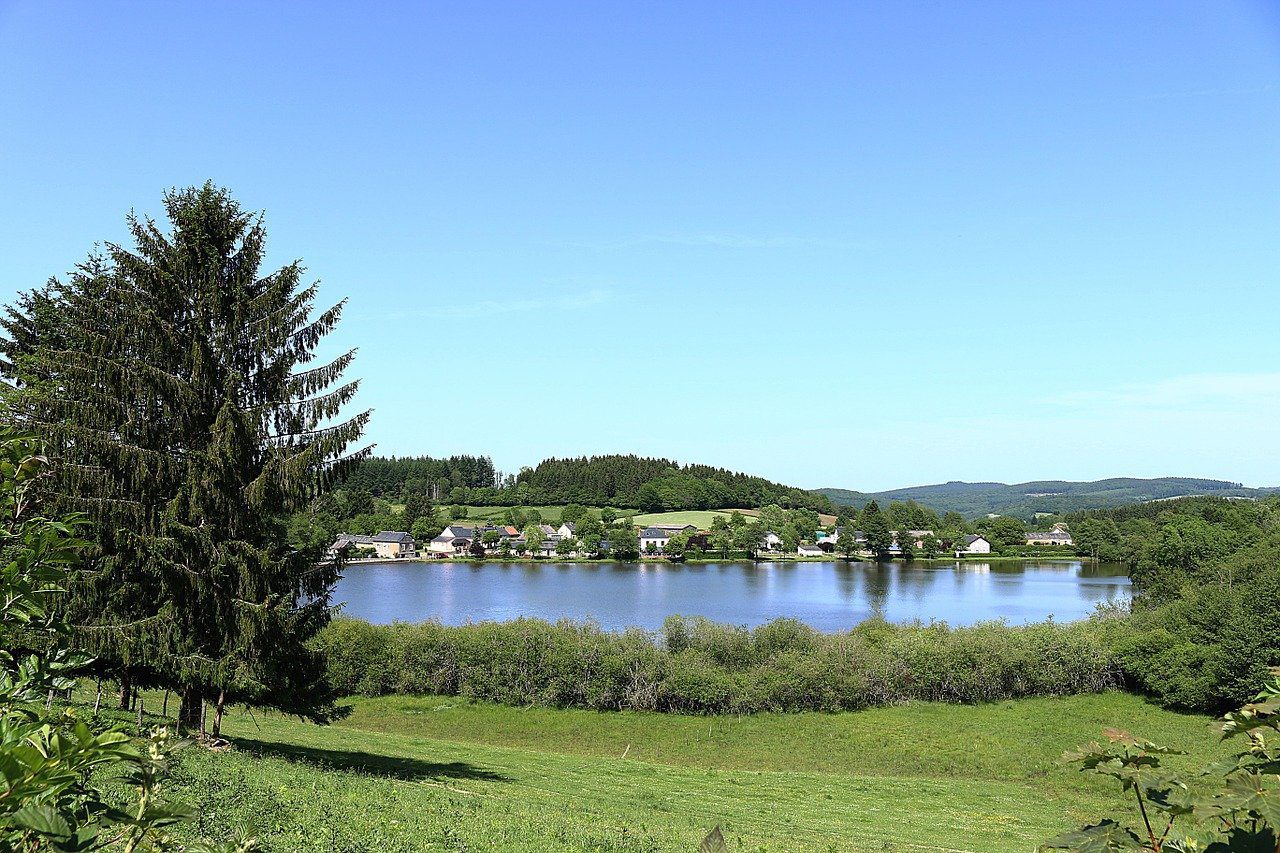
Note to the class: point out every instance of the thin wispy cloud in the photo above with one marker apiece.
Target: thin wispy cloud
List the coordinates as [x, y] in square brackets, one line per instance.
[1189, 392]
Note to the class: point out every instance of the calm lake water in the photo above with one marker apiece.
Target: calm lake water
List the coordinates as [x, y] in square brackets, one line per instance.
[830, 596]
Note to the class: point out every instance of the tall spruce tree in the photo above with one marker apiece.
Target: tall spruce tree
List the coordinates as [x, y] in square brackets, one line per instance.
[176, 385]
[876, 529]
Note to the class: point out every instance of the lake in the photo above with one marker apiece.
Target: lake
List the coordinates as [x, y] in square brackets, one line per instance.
[830, 596]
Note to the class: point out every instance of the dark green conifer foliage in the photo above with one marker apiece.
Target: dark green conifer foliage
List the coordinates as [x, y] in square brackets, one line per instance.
[177, 387]
[876, 529]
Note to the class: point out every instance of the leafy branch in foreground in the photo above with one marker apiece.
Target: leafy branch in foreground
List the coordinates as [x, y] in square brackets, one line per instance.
[1242, 815]
[50, 760]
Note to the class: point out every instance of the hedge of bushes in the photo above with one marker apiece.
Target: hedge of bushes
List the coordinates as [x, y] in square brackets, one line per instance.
[697, 666]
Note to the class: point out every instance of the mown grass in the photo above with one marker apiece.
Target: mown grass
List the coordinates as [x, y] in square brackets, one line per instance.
[437, 773]
[703, 518]
[494, 514]
[998, 741]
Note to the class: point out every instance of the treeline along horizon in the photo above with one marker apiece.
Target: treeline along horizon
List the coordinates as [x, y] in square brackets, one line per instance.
[390, 477]
[630, 481]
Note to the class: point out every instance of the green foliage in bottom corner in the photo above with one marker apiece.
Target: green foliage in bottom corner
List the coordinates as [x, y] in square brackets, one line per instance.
[51, 761]
[1241, 813]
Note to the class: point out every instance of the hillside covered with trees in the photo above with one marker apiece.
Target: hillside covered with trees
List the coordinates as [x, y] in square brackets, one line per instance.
[649, 484]
[658, 484]
[1057, 497]
[391, 477]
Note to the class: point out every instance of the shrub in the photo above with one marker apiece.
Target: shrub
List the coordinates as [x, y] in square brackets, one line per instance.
[693, 665]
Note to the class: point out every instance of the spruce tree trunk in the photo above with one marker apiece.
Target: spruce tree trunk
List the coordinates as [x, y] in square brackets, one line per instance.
[217, 716]
[126, 690]
[191, 711]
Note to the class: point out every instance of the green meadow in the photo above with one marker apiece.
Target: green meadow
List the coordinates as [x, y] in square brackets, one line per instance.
[702, 518]
[495, 514]
[443, 773]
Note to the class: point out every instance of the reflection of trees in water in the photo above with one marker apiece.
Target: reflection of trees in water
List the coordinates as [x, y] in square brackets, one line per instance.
[878, 583]
[1102, 570]
[915, 580]
[1096, 592]
[847, 575]
[753, 575]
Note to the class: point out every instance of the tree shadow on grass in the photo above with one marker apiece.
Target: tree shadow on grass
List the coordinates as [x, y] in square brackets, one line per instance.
[372, 764]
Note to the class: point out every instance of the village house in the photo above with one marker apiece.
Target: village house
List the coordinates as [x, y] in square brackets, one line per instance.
[833, 537]
[916, 537]
[1059, 535]
[810, 551]
[348, 543]
[770, 541]
[657, 537]
[395, 544]
[566, 529]
[387, 545]
[973, 544]
[454, 539]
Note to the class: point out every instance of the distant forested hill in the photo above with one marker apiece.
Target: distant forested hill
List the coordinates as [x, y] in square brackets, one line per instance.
[1024, 500]
[658, 484]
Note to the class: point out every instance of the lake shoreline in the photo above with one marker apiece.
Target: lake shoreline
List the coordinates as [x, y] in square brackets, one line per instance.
[662, 561]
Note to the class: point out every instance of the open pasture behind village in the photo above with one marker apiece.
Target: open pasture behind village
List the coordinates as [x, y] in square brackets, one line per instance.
[703, 518]
[700, 518]
[444, 773]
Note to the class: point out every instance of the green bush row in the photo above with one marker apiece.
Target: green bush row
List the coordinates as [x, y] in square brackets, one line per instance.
[698, 666]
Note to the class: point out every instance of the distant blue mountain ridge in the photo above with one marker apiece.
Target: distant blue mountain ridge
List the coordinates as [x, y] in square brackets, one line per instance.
[1024, 500]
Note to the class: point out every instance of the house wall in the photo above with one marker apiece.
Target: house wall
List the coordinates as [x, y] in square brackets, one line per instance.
[391, 550]
[1042, 540]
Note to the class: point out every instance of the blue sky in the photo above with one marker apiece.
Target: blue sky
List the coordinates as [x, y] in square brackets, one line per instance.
[858, 245]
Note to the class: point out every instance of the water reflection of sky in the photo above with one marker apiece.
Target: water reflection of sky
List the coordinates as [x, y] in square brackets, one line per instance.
[829, 596]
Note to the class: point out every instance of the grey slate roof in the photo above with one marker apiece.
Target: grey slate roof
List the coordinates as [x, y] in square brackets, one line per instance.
[655, 533]
[393, 536]
[346, 539]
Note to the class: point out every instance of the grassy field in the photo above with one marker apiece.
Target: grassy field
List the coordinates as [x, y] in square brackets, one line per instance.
[551, 514]
[428, 773]
[494, 514]
[703, 518]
